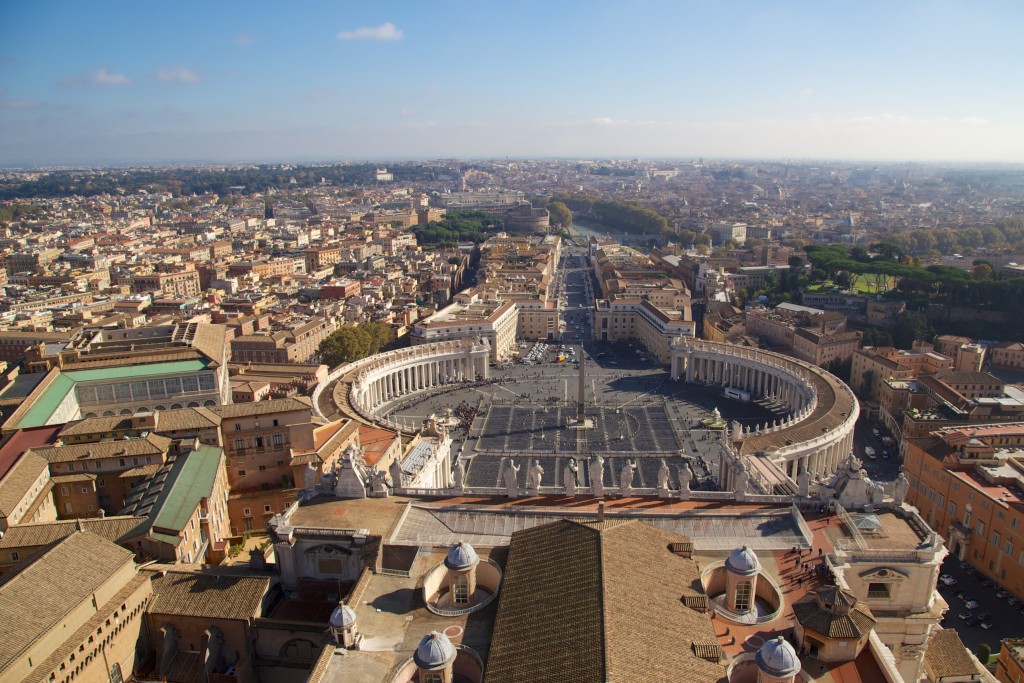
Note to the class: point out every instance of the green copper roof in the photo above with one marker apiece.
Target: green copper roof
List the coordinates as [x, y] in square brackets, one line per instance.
[194, 481]
[46, 405]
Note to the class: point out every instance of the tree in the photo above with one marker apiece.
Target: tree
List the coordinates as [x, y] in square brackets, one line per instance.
[351, 343]
[909, 328]
[982, 270]
[796, 263]
[984, 653]
[560, 214]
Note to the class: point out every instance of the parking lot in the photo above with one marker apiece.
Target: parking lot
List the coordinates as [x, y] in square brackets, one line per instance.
[1004, 614]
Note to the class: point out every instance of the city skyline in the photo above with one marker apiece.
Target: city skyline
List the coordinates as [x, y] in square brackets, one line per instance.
[133, 85]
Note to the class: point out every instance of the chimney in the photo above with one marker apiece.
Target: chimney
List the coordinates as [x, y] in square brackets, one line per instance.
[600, 510]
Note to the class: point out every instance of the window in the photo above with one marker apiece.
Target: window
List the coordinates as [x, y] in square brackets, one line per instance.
[743, 590]
[1008, 548]
[246, 511]
[981, 528]
[266, 508]
[263, 468]
[239, 444]
[879, 590]
[238, 427]
[277, 438]
[241, 473]
[14, 556]
[101, 484]
[460, 589]
[1013, 522]
[63, 490]
[121, 462]
[996, 538]
[275, 423]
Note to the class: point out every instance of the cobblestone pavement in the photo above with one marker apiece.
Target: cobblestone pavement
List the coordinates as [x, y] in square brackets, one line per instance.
[636, 412]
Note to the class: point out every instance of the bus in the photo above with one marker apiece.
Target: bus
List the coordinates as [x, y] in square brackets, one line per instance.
[737, 395]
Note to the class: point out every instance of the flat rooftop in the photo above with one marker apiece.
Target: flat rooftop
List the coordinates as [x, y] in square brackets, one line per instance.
[490, 522]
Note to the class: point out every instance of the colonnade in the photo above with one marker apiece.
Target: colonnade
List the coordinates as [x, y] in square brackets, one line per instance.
[759, 380]
[388, 376]
[816, 436]
[427, 374]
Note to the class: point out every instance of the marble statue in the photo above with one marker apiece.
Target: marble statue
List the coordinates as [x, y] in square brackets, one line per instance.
[395, 469]
[533, 474]
[663, 475]
[597, 476]
[459, 474]
[803, 480]
[902, 486]
[511, 486]
[626, 478]
[377, 484]
[684, 477]
[877, 493]
[741, 480]
[569, 474]
[309, 477]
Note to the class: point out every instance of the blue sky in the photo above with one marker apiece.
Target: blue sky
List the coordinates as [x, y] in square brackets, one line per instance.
[141, 82]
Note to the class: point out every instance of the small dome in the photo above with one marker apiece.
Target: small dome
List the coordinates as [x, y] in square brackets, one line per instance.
[461, 556]
[435, 651]
[778, 658]
[743, 561]
[342, 616]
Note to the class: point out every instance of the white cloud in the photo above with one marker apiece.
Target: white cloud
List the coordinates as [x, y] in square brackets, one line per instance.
[386, 31]
[807, 92]
[244, 39]
[178, 74]
[100, 76]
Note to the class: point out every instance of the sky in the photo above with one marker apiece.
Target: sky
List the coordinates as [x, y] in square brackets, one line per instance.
[104, 82]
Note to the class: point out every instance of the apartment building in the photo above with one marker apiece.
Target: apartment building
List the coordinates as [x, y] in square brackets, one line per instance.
[494, 321]
[178, 285]
[1008, 355]
[295, 343]
[628, 319]
[968, 483]
[874, 364]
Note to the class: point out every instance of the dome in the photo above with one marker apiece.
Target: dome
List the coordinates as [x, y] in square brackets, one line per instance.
[778, 658]
[342, 616]
[435, 651]
[743, 561]
[461, 556]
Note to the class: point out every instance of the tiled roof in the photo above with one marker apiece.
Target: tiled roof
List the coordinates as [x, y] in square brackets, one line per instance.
[151, 444]
[38, 596]
[589, 601]
[851, 619]
[262, 407]
[208, 595]
[947, 656]
[33, 535]
[19, 480]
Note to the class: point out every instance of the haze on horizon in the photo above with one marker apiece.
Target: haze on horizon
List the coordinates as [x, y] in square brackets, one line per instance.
[142, 83]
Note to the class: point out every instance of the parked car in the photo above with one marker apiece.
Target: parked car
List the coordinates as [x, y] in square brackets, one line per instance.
[947, 580]
[986, 625]
[973, 621]
[1013, 602]
[971, 604]
[961, 595]
[1001, 593]
[964, 616]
